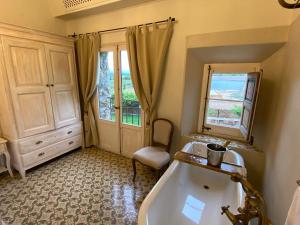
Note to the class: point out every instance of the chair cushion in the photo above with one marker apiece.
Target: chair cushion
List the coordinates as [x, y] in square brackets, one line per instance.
[154, 157]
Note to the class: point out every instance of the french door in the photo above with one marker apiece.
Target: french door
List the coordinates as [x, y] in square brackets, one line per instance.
[120, 118]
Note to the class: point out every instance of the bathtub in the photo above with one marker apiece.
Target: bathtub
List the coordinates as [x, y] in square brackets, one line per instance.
[190, 195]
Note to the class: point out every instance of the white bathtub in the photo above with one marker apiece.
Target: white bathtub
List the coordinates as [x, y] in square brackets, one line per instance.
[190, 195]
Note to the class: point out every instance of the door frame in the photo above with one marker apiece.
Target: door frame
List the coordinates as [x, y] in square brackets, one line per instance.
[100, 121]
[123, 126]
[117, 48]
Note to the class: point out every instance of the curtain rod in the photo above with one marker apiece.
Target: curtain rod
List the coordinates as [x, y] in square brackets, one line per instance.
[123, 28]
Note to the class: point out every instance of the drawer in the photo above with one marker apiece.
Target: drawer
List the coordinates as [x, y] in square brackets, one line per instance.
[43, 154]
[43, 140]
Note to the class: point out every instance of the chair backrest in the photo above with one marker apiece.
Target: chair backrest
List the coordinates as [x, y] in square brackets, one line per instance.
[162, 133]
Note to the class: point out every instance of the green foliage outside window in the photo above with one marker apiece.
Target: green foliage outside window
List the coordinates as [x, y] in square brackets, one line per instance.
[237, 110]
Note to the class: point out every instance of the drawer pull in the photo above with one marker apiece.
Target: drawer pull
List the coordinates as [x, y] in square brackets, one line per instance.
[71, 142]
[70, 132]
[41, 154]
[38, 142]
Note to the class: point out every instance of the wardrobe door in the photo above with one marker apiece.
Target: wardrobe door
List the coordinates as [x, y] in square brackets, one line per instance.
[63, 81]
[28, 80]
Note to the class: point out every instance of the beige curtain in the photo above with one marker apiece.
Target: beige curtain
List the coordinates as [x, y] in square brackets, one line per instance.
[147, 53]
[87, 50]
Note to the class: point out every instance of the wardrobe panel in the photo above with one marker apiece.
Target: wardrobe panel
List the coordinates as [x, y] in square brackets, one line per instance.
[34, 110]
[62, 73]
[65, 100]
[61, 64]
[26, 66]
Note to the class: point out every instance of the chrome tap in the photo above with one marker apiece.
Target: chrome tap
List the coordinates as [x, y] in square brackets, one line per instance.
[253, 207]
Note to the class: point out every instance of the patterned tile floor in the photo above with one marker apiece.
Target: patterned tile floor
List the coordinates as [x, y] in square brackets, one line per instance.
[88, 186]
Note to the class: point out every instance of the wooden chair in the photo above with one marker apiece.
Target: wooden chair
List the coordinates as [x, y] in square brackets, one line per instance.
[156, 156]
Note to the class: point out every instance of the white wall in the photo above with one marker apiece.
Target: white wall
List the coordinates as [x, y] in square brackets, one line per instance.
[281, 134]
[32, 14]
[194, 17]
[192, 91]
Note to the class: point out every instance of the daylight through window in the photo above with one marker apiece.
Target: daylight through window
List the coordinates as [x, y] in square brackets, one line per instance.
[131, 109]
[106, 86]
[117, 90]
[225, 99]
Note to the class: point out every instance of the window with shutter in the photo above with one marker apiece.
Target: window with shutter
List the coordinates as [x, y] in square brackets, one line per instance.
[228, 100]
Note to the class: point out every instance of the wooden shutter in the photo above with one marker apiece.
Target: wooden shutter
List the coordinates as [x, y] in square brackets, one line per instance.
[251, 94]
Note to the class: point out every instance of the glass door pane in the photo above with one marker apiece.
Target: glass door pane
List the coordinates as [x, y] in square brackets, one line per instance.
[106, 87]
[131, 109]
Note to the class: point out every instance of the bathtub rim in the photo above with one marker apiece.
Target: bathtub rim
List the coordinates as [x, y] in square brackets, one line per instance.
[151, 196]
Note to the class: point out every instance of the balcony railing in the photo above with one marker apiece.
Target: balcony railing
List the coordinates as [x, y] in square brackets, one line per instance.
[131, 111]
[131, 115]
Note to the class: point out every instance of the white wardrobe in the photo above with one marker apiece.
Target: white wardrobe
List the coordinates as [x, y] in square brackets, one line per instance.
[40, 111]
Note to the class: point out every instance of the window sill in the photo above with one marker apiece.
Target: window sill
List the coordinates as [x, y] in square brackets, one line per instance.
[234, 145]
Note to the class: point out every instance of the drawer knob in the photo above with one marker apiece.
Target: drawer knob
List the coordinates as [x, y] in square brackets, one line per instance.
[38, 142]
[71, 142]
[70, 132]
[41, 154]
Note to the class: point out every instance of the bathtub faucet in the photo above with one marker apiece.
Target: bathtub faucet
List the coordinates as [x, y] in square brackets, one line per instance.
[253, 207]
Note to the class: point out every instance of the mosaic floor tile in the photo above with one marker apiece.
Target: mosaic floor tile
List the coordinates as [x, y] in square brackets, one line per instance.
[88, 186]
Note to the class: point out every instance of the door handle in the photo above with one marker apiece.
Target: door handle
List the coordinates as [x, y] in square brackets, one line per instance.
[38, 142]
[41, 154]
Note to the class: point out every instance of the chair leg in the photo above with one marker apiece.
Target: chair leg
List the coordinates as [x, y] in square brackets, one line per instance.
[134, 169]
[161, 171]
[157, 174]
[7, 159]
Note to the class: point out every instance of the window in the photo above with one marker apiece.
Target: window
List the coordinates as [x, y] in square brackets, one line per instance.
[225, 99]
[117, 99]
[131, 109]
[228, 99]
[106, 86]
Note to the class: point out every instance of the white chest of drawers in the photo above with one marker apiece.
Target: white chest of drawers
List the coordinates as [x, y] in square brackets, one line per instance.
[32, 151]
[40, 108]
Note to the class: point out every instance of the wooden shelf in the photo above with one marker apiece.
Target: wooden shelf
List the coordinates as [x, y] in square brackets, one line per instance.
[196, 160]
